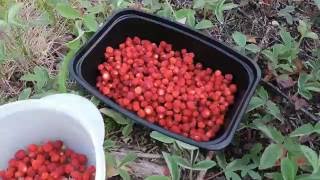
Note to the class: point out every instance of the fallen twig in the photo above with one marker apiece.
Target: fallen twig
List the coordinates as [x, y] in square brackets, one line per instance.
[278, 91]
[202, 174]
[141, 168]
[215, 175]
[123, 152]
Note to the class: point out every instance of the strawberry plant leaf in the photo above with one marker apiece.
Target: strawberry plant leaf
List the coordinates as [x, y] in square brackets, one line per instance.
[124, 174]
[186, 146]
[25, 94]
[303, 130]
[254, 175]
[229, 6]
[199, 4]
[172, 165]
[285, 12]
[221, 159]
[110, 159]
[255, 103]
[65, 10]
[161, 137]
[182, 162]
[153, 5]
[130, 157]
[252, 48]
[39, 76]
[236, 165]
[239, 38]
[13, 13]
[271, 132]
[270, 155]
[232, 175]
[187, 15]
[157, 178]
[204, 24]
[127, 129]
[288, 169]
[312, 35]
[317, 128]
[303, 79]
[115, 116]
[311, 156]
[274, 110]
[204, 165]
[89, 20]
[262, 93]
[317, 3]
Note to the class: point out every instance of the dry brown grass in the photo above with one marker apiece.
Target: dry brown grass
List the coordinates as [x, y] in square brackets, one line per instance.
[44, 46]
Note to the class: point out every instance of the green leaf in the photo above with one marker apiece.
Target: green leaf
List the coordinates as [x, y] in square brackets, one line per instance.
[221, 159]
[236, 165]
[161, 137]
[312, 35]
[254, 175]
[309, 177]
[154, 5]
[252, 48]
[270, 155]
[124, 174]
[199, 4]
[273, 109]
[229, 6]
[232, 175]
[288, 169]
[127, 159]
[317, 128]
[271, 132]
[303, 78]
[166, 12]
[110, 159]
[90, 22]
[118, 118]
[182, 162]
[302, 28]
[270, 56]
[25, 94]
[286, 38]
[172, 165]
[239, 38]
[39, 76]
[127, 130]
[97, 8]
[311, 156]
[64, 71]
[13, 13]
[317, 2]
[204, 24]
[157, 178]
[285, 12]
[65, 10]
[255, 103]
[187, 15]
[186, 146]
[303, 130]
[262, 93]
[204, 165]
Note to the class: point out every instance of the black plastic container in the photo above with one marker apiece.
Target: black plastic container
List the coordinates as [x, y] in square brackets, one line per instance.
[208, 51]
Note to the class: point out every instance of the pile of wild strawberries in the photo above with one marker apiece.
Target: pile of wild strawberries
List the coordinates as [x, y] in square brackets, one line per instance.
[50, 161]
[165, 87]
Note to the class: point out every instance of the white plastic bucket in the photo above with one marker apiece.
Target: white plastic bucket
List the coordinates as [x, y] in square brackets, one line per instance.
[67, 117]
